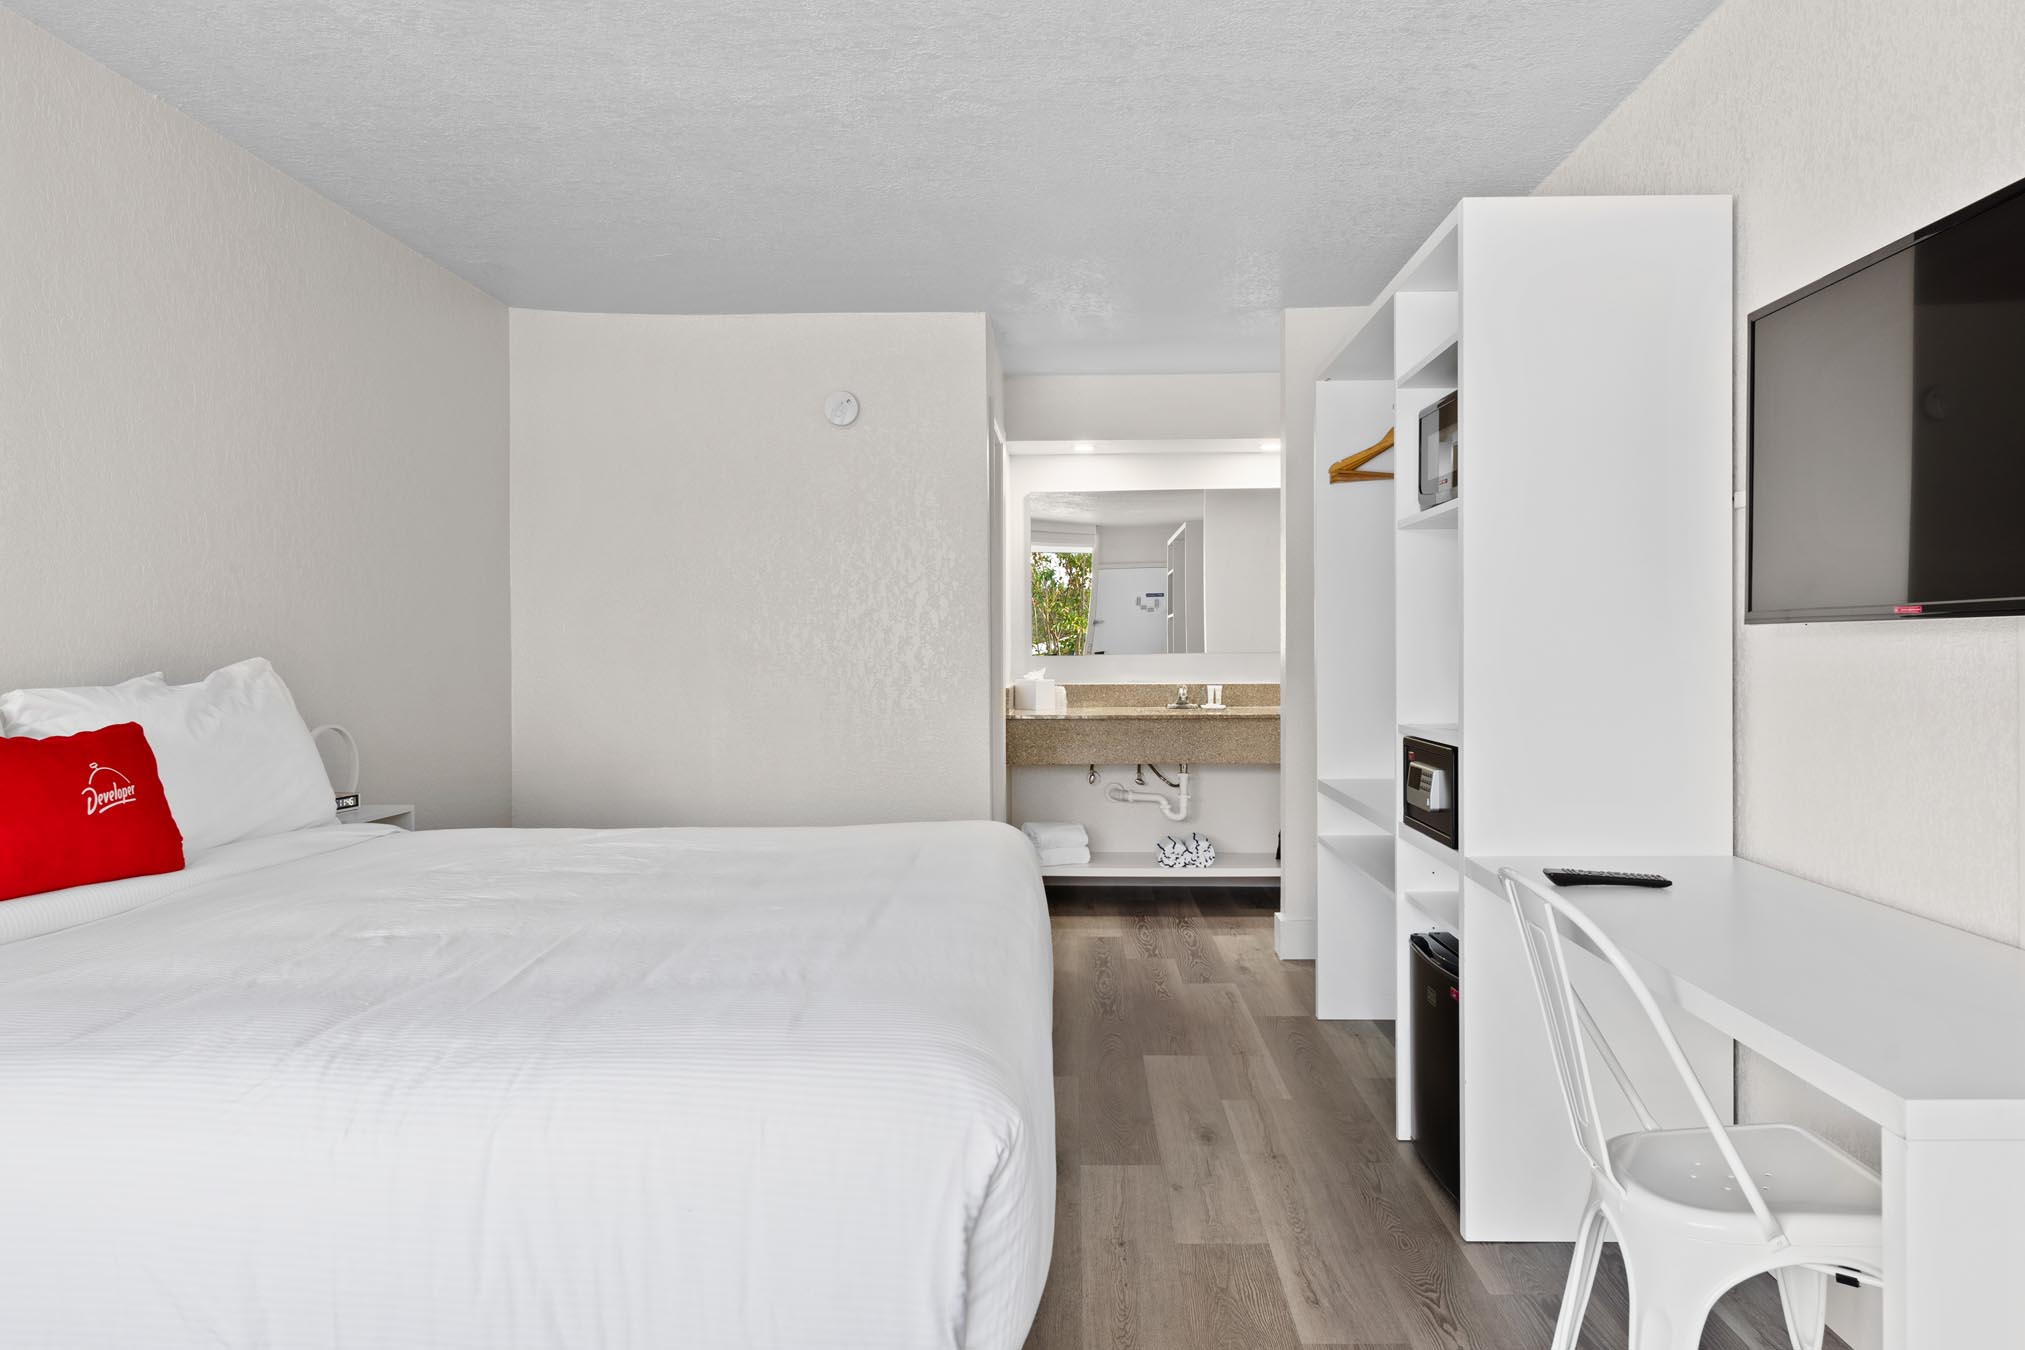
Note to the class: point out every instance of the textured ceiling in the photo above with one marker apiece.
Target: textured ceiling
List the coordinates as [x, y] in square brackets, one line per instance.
[1122, 184]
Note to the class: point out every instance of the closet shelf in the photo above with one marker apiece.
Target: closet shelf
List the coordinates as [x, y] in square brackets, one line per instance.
[1370, 798]
[1440, 852]
[1437, 370]
[1443, 908]
[1443, 517]
[1371, 854]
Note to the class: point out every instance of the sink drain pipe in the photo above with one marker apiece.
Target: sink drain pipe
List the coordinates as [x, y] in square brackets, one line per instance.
[1169, 807]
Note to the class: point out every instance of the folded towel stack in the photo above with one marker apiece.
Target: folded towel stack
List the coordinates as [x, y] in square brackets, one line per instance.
[1060, 843]
[1194, 851]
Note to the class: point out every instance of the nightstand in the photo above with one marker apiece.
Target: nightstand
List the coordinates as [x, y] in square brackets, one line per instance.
[369, 813]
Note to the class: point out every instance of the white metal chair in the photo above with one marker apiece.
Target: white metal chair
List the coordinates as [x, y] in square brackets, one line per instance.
[1695, 1211]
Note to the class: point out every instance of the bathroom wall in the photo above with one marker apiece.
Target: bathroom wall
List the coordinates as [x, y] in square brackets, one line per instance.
[1241, 570]
[1885, 759]
[1134, 545]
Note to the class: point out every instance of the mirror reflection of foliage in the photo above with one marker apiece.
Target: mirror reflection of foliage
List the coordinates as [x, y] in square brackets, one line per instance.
[1061, 603]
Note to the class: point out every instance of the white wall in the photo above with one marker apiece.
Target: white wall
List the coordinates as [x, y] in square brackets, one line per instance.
[1135, 545]
[1075, 536]
[1240, 570]
[1308, 338]
[236, 420]
[994, 674]
[728, 611]
[1141, 407]
[1885, 759]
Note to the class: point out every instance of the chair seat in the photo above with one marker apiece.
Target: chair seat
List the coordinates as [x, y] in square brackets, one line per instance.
[1821, 1195]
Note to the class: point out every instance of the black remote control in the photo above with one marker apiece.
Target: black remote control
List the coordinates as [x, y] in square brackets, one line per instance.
[1578, 876]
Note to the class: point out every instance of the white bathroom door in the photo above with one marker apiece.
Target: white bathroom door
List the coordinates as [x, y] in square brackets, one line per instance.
[1128, 611]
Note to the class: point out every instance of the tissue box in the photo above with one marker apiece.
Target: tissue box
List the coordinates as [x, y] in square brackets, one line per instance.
[1034, 695]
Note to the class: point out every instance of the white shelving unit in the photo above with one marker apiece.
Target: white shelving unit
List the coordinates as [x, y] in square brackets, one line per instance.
[1441, 909]
[1436, 370]
[1369, 855]
[1569, 632]
[1446, 516]
[1229, 866]
[1369, 798]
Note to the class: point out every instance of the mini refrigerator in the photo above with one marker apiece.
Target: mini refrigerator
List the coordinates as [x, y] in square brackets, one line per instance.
[1437, 1055]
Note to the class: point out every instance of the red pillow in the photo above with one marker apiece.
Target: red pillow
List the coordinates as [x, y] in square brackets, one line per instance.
[83, 808]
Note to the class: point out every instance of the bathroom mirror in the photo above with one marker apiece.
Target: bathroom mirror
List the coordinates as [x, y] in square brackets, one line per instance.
[1137, 573]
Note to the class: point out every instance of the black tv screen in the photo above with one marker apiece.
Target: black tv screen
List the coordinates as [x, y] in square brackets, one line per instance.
[1887, 430]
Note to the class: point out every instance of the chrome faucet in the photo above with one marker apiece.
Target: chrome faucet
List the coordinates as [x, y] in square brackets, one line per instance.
[1181, 698]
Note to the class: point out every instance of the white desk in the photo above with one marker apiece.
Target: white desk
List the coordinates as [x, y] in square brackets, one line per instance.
[1916, 1025]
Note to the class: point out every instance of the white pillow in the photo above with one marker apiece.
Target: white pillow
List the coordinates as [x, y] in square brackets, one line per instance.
[235, 757]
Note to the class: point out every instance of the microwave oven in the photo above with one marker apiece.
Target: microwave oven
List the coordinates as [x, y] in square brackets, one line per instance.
[1440, 454]
[1428, 781]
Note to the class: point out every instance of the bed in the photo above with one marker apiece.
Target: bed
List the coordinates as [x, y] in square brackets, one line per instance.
[352, 1086]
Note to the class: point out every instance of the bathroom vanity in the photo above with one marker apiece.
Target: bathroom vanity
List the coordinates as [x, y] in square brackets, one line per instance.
[1145, 564]
[1135, 724]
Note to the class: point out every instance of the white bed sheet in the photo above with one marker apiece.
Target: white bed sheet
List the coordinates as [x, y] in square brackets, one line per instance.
[535, 1088]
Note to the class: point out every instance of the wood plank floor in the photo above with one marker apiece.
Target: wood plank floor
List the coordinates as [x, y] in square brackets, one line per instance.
[1227, 1172]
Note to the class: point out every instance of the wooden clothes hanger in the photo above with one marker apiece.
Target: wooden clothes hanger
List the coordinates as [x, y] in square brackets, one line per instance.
[1350, 469]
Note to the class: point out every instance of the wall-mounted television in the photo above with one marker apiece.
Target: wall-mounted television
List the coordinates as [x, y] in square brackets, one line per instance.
[1887, 430]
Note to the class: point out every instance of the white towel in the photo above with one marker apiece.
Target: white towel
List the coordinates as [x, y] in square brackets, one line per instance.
[1047, 834]
[1064, 857]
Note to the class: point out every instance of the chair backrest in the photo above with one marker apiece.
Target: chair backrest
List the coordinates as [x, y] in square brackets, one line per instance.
[1544, 917]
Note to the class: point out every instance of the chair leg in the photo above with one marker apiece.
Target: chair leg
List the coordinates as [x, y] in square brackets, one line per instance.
[1673, 1289]
[1581, 1278]
[1668, 1329]
[1804, 1295]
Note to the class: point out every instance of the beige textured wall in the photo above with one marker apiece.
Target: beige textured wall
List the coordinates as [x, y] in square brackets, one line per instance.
[1885, 759]
[1141, 407]
[236, 420]
[727, 611]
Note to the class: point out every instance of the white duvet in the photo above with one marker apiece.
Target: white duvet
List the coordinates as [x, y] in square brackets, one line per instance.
[518, 1088]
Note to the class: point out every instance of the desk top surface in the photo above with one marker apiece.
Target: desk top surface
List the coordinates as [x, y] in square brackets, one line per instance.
[1915, 1024]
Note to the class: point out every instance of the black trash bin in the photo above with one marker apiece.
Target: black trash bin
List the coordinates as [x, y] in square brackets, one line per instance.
[1437, 1055]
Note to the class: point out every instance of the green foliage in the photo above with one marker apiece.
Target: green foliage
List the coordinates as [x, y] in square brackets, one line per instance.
[1061, 603]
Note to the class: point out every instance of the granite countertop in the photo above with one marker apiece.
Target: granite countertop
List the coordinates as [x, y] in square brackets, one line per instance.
[1121, 723]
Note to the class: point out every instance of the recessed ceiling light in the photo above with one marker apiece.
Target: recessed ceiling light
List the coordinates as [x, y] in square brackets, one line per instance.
[1269, 445]
[1084, 448]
